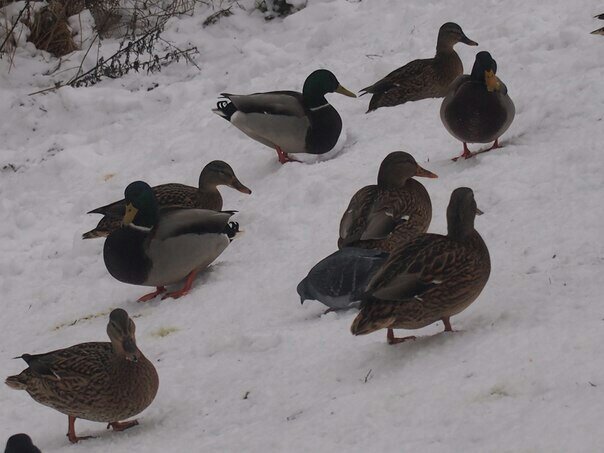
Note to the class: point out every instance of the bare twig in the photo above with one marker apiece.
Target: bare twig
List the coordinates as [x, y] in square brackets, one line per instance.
[10, 33]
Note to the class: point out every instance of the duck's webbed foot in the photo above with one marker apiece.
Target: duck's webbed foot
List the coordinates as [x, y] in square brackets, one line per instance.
[153, 295]
[284, 157]
[393, 340]
[122, 426]
[466, 153]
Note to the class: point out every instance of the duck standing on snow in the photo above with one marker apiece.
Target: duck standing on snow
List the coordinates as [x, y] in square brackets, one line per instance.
[477, 108]
[20, 443]
[155, 248]
[206, 196]
[599, 31]
[100, 381]
[422, 79]
[432, 278]
[389, 214]
[289, 121]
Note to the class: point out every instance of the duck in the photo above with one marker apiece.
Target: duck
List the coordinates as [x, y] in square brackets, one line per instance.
[288, 121]
[477, 108]
[160, 248]
[205, 196]
[422, 79]
[104, 382]
[20, 443]
[599, 31]
[432, 278]
[391, 213]
[338, 281]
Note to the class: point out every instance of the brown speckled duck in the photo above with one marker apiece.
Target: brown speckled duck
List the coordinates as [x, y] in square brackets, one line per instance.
[101, 382]
[206, 196]
[432, 278]
[477, 108]
[391, 213]
[422, 79]
[599, 31]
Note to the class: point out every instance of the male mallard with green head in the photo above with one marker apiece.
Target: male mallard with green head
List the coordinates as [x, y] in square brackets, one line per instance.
[155, 248]
[288, 121]
[391, 213]
[477, 108]
[101, 382]
[422, 79]
[205, 196]
[20, 443]
[431, 278]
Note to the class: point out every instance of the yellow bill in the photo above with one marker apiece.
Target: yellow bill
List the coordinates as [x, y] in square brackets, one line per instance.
[345, 92]
[493, 83]
[130, 214]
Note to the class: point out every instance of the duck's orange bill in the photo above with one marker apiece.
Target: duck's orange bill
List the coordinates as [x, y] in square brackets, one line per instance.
[425, 173]
[492, 81]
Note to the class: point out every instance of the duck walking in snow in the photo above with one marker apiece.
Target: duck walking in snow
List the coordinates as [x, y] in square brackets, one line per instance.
[288, 121]
[432, 278]
[477, 108]
[20, 443]
[389, 214]
[206, 196]
[155, 248]
[100, 381]
[599, 31]
[422, 79]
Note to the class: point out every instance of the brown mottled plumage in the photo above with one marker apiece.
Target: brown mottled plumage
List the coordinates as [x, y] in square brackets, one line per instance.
[206, 196]
[102, 382]
[391, 213]
[432, 278]
[422, 79]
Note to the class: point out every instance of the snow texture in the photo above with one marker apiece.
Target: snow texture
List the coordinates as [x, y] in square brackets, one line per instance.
[244, 367]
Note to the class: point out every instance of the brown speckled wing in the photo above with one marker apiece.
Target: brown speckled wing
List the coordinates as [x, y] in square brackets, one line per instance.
[354, 219]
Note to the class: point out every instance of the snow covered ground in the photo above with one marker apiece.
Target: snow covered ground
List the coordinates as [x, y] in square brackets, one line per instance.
[244, 367]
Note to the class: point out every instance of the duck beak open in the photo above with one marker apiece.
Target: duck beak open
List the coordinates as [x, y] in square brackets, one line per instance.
[479, 212]
[468, 41]
[424, 173]
[236, 184]
[131, 212]
[599, 31]
[491, 80]
[340, 89]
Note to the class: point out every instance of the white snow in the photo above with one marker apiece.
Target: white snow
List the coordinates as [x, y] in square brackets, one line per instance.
[246, 368]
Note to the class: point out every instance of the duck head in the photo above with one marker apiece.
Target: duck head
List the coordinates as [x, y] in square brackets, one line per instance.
[121, 333]
[219, 173]
[484, 70]
[141, 205]
[318, 84]
[398, 167]
[450, 34]
[461, 212]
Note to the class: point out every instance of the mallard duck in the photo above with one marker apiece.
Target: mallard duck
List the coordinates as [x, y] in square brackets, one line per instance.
[206, 196]
[155, 248]
[20, 443]
[101, 382]
[477, 108]
[432, 278]
[339, 280]
[389, 214]
[599, 31]
[422, 79]
[288, 121]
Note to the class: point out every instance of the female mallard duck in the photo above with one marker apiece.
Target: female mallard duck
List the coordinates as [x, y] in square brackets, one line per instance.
[288, 121]
[422, 79]
[101, 382]
[477, 108]
[155, 248]
[432, 278]
[389, 214]
[599, 31]
[206, 196]
[339, 280]
[20, 443]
